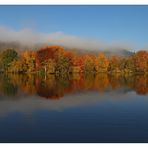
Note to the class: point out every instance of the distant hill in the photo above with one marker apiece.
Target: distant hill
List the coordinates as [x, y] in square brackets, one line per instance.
[20, 47]
[121, 52]
[108, 52]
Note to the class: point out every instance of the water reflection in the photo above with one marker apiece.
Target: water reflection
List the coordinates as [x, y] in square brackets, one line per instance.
[66, 109]
[54, 87]
[7, 87]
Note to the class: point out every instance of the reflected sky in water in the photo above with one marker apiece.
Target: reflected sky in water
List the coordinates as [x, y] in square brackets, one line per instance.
[75, 108]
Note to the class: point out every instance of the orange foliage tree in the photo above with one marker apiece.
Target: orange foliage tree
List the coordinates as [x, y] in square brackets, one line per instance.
[89, 63]
[114, 64]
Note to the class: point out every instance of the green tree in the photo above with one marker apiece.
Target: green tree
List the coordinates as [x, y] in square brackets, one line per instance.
[8, 56]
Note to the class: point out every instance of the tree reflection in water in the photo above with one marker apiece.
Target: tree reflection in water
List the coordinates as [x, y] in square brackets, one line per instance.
[55, 87]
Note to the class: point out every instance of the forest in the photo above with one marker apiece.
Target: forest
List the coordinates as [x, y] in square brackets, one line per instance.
[57, 60]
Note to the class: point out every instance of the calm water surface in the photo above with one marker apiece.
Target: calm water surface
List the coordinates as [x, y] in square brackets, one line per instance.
[74, 108]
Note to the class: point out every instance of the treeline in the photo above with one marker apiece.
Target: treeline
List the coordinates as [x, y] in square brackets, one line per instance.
[57, 60]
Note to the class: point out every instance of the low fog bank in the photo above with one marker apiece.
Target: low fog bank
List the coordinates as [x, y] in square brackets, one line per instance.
[28, 39]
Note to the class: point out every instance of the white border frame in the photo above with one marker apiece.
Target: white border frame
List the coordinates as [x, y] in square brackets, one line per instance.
[73, 2]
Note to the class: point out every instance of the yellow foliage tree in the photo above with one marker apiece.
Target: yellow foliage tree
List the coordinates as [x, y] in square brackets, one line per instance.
[102, 63]
[29, 60]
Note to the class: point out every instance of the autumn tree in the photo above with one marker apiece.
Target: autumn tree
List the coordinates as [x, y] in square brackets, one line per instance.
[89, 63]
[129, 66]
[70, 56]
[102, 63]
[50, 52]
[48, 66]
[77, 64]
[114, 64]
[141, 61]
[29, 61]
[16, 66]
[62, 65]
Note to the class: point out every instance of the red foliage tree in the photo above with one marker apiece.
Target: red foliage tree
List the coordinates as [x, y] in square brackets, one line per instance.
[141, 61]
[50, 52]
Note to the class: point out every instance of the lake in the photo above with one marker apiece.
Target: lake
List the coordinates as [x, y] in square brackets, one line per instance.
[75, 108]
